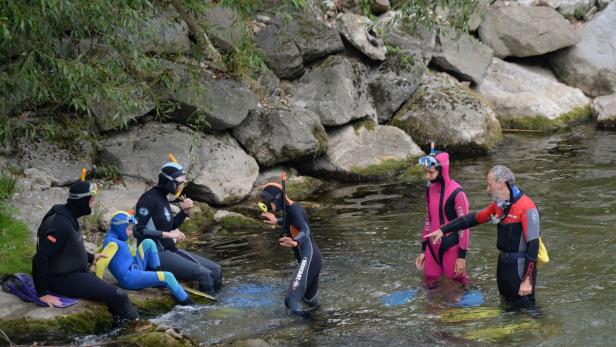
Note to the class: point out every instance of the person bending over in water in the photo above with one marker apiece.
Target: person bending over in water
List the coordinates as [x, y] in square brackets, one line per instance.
[299, 237]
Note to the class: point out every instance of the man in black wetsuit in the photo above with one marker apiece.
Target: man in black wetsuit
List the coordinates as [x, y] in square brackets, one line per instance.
[61, 263]
[297, 236]
[156, 222]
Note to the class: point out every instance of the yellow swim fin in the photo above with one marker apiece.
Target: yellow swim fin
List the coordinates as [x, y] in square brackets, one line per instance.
[542, 256]
[102, 263]
[199, 293]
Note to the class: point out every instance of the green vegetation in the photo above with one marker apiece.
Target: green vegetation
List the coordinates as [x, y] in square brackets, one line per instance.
[573, 117]
[16, 247]
[302, 188]
[234, 222]
[386, 168]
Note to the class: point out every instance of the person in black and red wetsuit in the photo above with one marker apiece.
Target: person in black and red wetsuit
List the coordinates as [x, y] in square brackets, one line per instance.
[517, 222]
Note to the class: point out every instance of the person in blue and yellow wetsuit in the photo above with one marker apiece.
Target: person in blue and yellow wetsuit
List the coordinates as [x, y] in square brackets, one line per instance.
[129, 270]
[297, 236]
[517, 223]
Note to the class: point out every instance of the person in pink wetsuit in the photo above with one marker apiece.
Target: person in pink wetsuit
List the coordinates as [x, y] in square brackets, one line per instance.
[445, 201]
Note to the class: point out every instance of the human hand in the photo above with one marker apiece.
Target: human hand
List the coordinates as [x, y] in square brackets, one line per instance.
[186, 204]
[177, 235]
[435, 236]
[288, 242]
[460, 267]
[526, 288]
[270, 218]
[420, 261]
[52, 301]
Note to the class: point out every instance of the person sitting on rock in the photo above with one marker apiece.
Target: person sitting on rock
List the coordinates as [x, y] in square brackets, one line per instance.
[61, 262]
[129, 270]
[156, 222]
[297, 236]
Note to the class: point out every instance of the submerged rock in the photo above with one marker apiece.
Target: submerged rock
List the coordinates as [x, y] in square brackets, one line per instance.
[604, 108]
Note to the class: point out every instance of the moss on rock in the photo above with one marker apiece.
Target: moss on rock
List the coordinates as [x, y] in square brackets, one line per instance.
[386, 168]
[413, 174]
[576, 116]
[236, 221]
[300, 188]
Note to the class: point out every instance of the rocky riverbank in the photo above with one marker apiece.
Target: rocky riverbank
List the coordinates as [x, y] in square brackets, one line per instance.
[344, 97]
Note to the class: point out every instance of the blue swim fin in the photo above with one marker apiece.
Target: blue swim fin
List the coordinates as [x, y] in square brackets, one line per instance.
[472, 298]
[399, 297]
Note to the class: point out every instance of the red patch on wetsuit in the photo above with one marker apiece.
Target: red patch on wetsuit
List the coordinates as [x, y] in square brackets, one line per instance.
[51, 238]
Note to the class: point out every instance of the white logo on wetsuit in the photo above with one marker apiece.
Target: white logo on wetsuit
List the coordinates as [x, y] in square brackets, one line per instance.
[167, 214]
[302, 267]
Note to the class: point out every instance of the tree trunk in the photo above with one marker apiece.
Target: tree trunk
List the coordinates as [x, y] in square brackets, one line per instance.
[203, 42]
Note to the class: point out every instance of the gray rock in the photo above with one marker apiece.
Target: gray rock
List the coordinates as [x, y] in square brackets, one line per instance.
[523, 31]
[223, 102]
[569, 8]
[164, 34]
[268, 82]
[603, 4]
[280, 51]
[272, 174]
[336, 90]
[379, 6]
[61, 164]
[365, 151]
[277, 135]
[604, 108]
[462, 55]
[225, 27]
[32, 205]
[119, 197]
[220, 171]
[447, 112]
[362, 34]
[477, 17]
[522, 97]
[399, 33]
[313, 38]
[34, 179]
[591, 64]
[392, 84]
[110, 115]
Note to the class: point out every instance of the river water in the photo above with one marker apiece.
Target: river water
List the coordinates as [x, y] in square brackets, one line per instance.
[369, 235]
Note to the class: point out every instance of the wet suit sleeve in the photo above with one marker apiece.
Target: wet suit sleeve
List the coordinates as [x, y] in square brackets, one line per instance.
[297, 220]
[48, 245]
[178, 219]
[147, 215]
[530, 226]
[461, 207]
[470, 220]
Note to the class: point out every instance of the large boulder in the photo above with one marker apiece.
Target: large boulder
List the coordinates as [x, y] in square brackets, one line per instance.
[364, 151]
[280, 51]
[569, 8]
[313, 38]
[222, 102]
[360, 32]
[448, 112]
[277, 135]
[61, 163]
[462, 55]
[110, 114]
[165, 33]
[604, 108]
[525, 99]
[336, 90]
[392, 83]
[224, 27]
[398, 32]
[523, 31]
[220, 171]
[32, 205]
[591, 64]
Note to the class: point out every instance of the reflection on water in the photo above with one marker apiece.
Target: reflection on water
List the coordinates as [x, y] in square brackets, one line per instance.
[369, 237]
